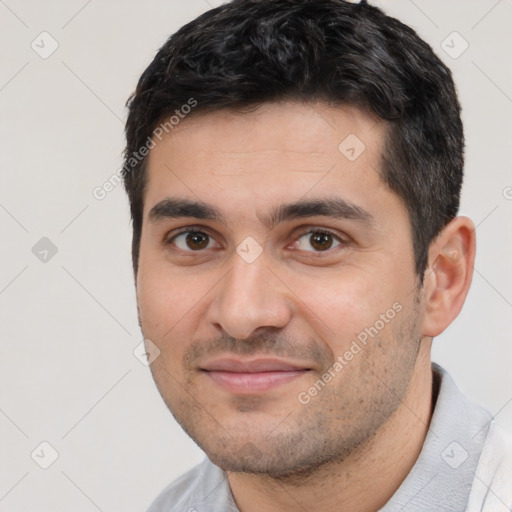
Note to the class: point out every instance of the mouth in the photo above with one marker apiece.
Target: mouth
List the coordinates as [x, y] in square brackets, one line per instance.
[254, 376]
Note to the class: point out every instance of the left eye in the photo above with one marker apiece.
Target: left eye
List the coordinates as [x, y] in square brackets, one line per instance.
[193, 241]
[318, 240]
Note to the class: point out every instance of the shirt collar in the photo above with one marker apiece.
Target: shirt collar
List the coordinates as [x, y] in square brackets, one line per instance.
[442, 477]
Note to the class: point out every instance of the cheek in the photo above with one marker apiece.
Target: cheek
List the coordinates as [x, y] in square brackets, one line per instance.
[344, 304]
[167, 301]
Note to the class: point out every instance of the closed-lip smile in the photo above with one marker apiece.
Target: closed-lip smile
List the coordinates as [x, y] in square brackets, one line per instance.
[252, 376]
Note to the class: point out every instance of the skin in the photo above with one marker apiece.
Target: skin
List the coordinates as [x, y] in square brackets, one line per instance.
[298, 301]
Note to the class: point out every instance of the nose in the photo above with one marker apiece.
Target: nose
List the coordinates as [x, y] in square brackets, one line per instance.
[249, 297]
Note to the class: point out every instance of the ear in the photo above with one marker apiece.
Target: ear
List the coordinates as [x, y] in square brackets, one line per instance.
[448, 276]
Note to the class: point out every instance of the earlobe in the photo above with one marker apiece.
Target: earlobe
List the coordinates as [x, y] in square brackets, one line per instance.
[448, 276]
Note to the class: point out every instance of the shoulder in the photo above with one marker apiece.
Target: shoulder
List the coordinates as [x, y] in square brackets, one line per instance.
[177, 491]
[492, 487]
[204, 487]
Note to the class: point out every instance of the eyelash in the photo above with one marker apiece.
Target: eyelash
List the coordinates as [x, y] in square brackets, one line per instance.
[329, 251]
[309, 231]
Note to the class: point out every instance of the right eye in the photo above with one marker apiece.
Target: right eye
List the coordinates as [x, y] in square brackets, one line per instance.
[192, 241]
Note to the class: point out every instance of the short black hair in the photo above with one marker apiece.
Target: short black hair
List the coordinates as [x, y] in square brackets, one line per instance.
[248, 52]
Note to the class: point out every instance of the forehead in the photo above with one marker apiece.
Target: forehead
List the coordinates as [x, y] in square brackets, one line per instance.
[311, 126]
[281, 150]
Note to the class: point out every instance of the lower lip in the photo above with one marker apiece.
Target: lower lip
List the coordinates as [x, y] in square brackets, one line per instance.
[252, 382]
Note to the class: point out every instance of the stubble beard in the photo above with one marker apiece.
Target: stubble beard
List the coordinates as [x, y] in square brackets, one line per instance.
[337, 424]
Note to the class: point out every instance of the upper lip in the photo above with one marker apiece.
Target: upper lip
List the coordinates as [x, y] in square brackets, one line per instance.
[252, 366]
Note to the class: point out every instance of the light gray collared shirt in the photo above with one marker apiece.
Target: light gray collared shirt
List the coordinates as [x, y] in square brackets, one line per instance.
[440, 480]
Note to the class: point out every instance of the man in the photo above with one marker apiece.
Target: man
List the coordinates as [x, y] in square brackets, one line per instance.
[294, 172]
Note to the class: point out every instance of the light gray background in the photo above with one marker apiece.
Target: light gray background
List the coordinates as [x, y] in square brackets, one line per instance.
[69, 327]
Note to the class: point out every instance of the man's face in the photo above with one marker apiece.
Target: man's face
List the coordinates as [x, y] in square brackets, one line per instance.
[285, 303]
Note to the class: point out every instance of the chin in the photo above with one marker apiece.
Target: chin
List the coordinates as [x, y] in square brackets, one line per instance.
[288, 456]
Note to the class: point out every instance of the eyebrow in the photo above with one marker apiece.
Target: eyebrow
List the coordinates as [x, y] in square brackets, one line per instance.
[172, 208]
[334, 207]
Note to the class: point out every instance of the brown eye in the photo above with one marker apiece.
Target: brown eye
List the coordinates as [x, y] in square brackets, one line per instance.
[197, 241]
[317, 241]
[321, 241]
[192, 241]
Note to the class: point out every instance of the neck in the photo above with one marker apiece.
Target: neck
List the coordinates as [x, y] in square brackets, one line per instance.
[362, 482]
